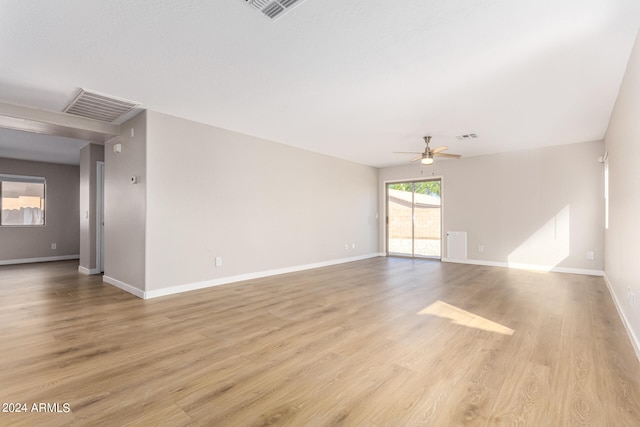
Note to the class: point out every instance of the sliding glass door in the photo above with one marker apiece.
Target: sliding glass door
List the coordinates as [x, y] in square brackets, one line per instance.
[414, 218]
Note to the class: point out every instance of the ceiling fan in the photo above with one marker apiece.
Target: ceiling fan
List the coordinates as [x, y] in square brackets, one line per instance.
[426, 158]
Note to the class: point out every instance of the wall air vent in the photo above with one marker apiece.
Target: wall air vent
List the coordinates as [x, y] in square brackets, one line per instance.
[273, 8]
[93, 105]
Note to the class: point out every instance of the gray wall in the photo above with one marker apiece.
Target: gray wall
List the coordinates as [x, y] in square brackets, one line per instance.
[540, 207]
[61, 213]
[258, 204]
[125, 205]
[90, 154]
[622, 238]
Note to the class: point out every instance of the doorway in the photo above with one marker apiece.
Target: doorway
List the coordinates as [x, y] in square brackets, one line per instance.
[100, 218]
[414, 218]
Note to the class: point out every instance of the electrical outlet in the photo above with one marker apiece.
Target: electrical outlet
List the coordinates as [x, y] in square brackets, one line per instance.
[480, 248]
[346, 246]
[590, 255]
[218, 261]
[54, 246]
[353, 246]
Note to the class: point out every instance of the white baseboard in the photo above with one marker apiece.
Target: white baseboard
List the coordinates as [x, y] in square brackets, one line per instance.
[251, 276]
[632, 336]
[41, 259]
[88, 271]
[532, 267]
[124, 286]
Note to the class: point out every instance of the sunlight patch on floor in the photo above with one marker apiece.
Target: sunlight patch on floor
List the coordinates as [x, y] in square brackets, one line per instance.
[462, 317]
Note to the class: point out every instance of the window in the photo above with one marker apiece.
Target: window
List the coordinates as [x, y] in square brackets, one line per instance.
[22, 201]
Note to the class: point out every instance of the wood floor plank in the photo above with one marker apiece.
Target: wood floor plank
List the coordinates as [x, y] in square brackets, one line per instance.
[380, 342]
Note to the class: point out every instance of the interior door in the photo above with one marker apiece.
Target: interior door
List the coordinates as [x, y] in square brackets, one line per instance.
[414, 220]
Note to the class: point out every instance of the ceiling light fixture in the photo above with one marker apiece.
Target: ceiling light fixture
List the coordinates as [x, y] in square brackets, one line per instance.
[426, 159]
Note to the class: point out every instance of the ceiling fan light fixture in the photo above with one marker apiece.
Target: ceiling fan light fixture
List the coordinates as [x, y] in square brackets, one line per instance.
[426, 158]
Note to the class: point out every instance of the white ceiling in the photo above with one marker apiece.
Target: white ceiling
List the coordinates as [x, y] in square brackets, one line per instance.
[41, 148]
[355, 79]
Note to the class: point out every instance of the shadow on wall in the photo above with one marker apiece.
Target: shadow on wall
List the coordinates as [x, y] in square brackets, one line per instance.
[549, 245]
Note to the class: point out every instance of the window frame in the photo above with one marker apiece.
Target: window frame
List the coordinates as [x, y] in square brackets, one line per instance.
[26, 179]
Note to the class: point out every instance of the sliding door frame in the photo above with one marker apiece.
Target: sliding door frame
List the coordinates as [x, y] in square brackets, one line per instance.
[386, 215]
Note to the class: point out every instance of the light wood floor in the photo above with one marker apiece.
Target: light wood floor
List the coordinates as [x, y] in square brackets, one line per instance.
[380, 342]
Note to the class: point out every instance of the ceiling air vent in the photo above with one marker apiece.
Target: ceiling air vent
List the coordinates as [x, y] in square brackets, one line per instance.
[287, 3]
[273, 8]
[93, 105]
[467, 136]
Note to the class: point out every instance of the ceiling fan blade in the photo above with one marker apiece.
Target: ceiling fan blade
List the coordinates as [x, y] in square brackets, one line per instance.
[417, 158]
[407, 152]
[453, 156]
[439, 149]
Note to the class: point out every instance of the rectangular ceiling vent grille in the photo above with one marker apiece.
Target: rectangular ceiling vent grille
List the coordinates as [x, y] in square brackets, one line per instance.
[288, 3]
[273, 8]
[467, 136]
[93, 105]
